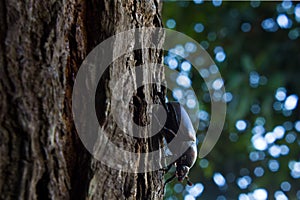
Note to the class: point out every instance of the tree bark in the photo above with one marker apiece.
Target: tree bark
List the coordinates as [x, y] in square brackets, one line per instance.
[43, 44]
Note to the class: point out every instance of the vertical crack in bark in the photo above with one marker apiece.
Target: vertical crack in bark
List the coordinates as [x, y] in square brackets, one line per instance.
[42, 187]
[48, 27]
[141, 187]
[77, 157]
[157, 18]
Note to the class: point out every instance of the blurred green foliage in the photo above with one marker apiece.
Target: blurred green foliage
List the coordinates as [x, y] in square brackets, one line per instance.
[258, 152]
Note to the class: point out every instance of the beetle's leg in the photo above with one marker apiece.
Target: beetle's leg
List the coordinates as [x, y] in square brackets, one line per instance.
[188, 181]
[168, 168]
[169, 180]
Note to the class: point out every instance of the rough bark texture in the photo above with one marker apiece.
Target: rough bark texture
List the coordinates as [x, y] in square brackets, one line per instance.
[42, 45]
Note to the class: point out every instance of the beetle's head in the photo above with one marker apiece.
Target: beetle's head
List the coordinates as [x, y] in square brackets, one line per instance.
[181, 172]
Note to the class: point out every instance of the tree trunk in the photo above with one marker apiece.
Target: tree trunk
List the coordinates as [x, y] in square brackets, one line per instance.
[43, 44]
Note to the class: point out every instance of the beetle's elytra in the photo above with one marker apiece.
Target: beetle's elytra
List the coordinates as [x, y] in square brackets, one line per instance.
[179, 126]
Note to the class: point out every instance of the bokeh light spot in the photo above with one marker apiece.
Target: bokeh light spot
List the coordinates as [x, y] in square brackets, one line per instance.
[259, 171]
[259, 142]
[297, 126]
[269, 25]
[260, 194]
[233, 137]
[198, 1]
[204, 44]
[283, 21]
[290, 137]
[259, 129]
[203, 115]
[172, 63]
[277, 106]
[286, 4]
[227, 97]
[297, 11]
[217, 3]
[178, 188]
[280, 94]
[213, 69]
[221, 197]
[196, 190]
[279, 195]
[254, 79]
[171, 23]
[191, 103]
[270, 137]
[254, 156]
[199, 28]
[204, 73]
[184, 81]
[273, 165]
[212, 36]
[218, 84]
[291, 102]
[177, 93]
[244, 197]
[220, 56]
[288, 125]
[255, 109]
[285, 186]
[203, 163]
[294, 34]
[244, 182]
[246, 27]
[189, 197]
[241, 125]
[295, 169]
[279, 132]
[186, 66]
[275, 151]
[284, 149]
[219, 179]
[190, 47]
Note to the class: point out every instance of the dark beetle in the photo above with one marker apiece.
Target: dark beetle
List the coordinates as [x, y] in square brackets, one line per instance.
[178, 127]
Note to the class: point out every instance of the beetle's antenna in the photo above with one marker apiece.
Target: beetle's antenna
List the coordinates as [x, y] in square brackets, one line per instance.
[188, 181]
[169, 180]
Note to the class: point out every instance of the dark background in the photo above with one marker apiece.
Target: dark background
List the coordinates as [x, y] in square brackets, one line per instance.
[257, 50]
